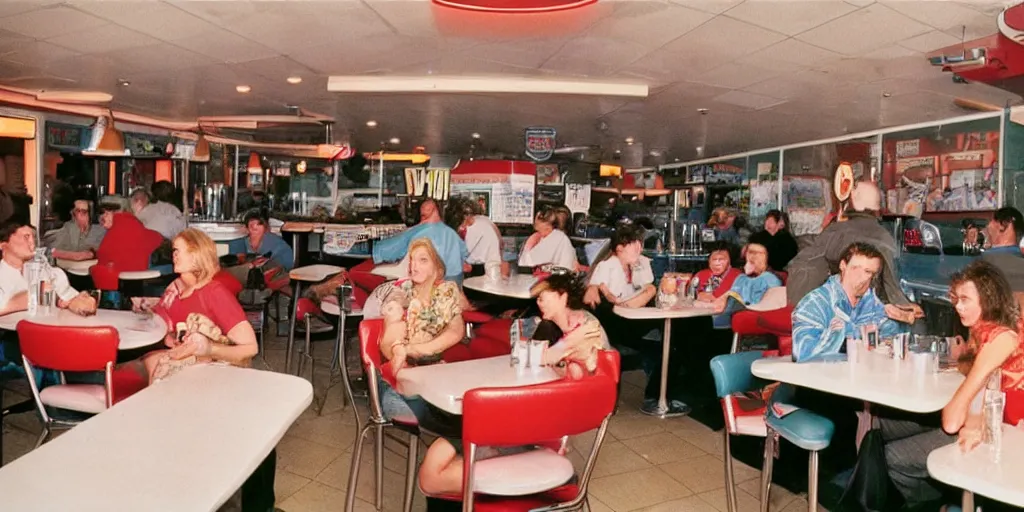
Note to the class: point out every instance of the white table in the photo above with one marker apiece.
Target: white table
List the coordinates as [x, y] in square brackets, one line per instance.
[667, 315]
[132, 330]
[444, 384]
[78, 268]
[222, 233]
[976, 473]
[877, 379]
[517, 286]
[187, 443]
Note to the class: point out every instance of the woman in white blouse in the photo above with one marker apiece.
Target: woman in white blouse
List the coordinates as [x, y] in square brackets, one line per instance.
[549, 244]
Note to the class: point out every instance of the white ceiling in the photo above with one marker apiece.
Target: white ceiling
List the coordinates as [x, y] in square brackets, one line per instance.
[770, 72]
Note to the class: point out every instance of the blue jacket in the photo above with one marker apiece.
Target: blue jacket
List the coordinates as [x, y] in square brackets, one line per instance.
[751, 290]
[449, 246]
[279, 250]
[813, 336]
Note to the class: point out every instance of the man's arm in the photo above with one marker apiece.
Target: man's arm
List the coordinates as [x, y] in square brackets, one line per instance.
[641, 299]
[814, 331]
[19, 302]
[890, 286]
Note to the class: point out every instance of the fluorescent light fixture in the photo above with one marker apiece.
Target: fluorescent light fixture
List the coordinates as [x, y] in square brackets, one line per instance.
[481, 84]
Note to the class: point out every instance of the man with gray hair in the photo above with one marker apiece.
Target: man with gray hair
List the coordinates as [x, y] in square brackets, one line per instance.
[814, 264]
[162, 217]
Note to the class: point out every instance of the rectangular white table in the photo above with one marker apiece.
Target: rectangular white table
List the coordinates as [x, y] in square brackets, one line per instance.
[667, 315]
[187, 443]
[443, 385]
[976, 473]
[876, 379]
[517, 286]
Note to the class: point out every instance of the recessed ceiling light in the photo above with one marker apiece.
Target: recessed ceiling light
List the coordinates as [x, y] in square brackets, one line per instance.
[618, 151]
[476, 135]
[703, 111]
[123, 82]
[371, 123]
[243, 88]
[886, 94]
[629, 140]
[295, 80]
[675, 160]
[395, 140]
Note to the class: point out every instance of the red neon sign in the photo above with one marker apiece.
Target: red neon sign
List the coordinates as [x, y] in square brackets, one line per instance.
[514, 6]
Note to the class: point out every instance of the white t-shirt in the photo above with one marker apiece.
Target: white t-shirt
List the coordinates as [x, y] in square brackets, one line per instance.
[13, 282]
[483, 242]
[611, 274]
[556, 249]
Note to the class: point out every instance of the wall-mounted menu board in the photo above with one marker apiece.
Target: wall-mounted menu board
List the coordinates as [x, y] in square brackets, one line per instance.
[508, 201]
[66, 137]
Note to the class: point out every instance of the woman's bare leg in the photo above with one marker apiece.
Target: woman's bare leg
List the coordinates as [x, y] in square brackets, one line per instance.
[441, 470]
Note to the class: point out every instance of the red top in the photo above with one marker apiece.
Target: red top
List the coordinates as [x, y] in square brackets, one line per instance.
[128, 245]
[730, 275]
[1012, 368]
[214, 301]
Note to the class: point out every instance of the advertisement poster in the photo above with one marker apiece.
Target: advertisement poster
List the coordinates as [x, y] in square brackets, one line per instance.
[512, 201]
[548, 174]
[763, 196]
[724, 174]
[915, 179]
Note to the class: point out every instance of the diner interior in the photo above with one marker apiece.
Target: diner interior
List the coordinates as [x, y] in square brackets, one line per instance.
[309, 139]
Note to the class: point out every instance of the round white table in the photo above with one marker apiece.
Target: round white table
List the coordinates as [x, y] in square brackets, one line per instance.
[78, 268]
[307, 274]
[517, 287]
[133, 331]
[221, 233]
[668, 315]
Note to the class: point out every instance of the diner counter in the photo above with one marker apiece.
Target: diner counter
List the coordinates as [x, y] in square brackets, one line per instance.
[186, 443]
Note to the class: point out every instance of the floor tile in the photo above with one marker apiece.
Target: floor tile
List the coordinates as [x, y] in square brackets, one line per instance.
[617, 458]
[630, 424]
[744, 501]
[328, 429]
[317, 497]
[305, 458]
[336, 475]
[799, 504]
[663, 448]
[707, 473]
[780, 497]
[287, 483]
[689, 504]
[637, 489]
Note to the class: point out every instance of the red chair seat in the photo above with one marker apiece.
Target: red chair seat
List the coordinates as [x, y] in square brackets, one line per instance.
[487, 503]
[523, 474]
[777, 321]
[745, 323]
[92, 398]
[306, 306]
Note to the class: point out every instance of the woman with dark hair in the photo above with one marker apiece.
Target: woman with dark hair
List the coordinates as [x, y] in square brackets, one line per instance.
[549, 244]
[575, 338]
[982, 298]
[777, 238]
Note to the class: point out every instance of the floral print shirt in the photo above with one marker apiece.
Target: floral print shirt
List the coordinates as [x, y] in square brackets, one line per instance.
[425, 321]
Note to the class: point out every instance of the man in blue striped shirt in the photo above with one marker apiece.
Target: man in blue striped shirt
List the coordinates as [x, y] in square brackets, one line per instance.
[837, 310]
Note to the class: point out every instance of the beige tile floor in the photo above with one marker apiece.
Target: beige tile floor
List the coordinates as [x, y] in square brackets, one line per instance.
[646, 464]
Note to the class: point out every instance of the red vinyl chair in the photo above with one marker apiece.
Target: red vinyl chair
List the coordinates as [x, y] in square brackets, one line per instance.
[780, 323]
[306, 309]
[74, 349]
[539, 479]
[229, 281]
[370, 333]
[104, 277]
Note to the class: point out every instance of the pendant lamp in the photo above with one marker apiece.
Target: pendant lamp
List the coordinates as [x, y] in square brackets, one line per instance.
[255, 167]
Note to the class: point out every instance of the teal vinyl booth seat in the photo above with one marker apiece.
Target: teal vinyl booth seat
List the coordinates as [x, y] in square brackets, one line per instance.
[744, 415]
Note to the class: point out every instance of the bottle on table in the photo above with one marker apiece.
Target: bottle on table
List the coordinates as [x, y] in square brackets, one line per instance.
[993, 406]
[37, 273]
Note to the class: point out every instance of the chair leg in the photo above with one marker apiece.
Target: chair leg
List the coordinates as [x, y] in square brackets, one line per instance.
[345, 379]
[766, 469]
[735, 343]
[730, 479]
[410, 471]
[307, 354]
[43, 436]
[353, 472]
[291, 327]
[378, 465]
[812, 482]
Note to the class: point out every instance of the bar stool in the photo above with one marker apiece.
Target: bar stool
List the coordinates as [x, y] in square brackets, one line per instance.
[801, 427]
[343, 309]
[307, 274]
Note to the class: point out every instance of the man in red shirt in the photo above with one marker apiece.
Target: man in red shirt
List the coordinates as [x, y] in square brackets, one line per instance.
[128, 245]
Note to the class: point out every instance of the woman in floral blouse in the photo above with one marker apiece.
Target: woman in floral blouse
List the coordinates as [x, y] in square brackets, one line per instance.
[422, 319]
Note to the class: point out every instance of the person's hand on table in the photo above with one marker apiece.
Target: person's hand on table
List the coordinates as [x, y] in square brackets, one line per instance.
[466, 268]
[970, 434]
[706, 297]
[608, 295]
[718, 305]
[194, 344]
[83, 304]
[900, 314]
[592, 297]
[144, 304]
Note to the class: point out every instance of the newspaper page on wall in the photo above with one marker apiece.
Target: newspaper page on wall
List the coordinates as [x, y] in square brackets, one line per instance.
[512, 201]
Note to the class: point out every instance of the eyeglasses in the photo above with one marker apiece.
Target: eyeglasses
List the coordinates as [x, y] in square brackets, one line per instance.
[79, 210]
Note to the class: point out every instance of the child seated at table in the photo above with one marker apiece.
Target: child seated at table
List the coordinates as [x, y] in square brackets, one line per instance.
[578, 339]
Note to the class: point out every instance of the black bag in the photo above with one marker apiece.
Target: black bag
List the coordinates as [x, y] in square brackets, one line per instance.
[868, 488]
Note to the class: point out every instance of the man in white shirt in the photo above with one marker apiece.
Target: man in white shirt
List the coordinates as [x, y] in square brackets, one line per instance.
[18, 243]
[161, 216]
[483, 240]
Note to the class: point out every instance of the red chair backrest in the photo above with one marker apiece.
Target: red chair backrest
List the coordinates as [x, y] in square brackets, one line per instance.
[229, 281]
[532, 414]
[609, 363]
[68, 349]
[104, 277]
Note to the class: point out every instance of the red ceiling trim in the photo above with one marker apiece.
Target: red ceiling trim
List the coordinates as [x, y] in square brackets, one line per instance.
[515, 6]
